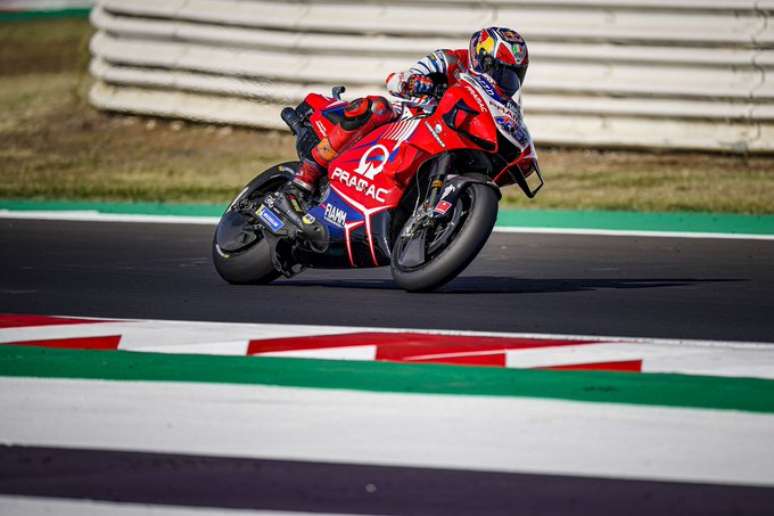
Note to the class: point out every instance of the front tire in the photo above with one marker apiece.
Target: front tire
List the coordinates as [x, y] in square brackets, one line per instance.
[478, 203]
[243, 256]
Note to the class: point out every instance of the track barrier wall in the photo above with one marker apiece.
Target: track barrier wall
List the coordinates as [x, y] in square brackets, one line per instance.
[671, 74]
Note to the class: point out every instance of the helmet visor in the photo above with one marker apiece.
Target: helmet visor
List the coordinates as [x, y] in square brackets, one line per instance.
[506, 77]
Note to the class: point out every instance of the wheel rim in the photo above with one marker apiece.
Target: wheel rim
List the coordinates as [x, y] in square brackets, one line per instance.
[434, 240]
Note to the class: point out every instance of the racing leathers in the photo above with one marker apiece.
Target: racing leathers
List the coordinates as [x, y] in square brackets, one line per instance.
[421, 85]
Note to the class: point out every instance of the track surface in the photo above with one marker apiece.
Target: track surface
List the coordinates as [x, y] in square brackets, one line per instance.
[626, 286]
[240, 483]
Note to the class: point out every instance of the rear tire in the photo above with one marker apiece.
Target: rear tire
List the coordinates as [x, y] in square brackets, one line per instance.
[251, 267]
[251, 264]
[465, 246]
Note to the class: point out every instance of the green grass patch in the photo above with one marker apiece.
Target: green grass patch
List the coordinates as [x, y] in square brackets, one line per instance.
[53, 145]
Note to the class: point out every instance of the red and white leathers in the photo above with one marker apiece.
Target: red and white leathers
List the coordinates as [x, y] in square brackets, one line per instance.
[363, 115]
[442, 67]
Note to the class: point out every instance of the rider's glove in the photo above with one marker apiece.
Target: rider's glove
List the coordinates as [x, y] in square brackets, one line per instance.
[419, 85]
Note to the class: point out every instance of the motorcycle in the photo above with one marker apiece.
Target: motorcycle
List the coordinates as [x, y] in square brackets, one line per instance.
[419, 194]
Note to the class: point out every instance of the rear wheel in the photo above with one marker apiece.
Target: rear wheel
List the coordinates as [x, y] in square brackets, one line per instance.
[240, 252]
[426, 257]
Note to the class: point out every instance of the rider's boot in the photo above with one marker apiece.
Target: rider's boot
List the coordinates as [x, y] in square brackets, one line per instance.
[299, 190]
[308, 175]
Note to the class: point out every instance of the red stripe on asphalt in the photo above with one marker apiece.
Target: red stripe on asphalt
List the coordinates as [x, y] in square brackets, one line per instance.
[259, 346]
[107, 343]
[408, 346]
[629, 366]
[490, 359]
[23, 320]
[413, 345]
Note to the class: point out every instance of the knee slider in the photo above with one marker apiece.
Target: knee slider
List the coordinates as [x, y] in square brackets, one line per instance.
[380, 106]
[357, 113]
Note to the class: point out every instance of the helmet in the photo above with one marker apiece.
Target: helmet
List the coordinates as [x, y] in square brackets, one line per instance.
[501, 54]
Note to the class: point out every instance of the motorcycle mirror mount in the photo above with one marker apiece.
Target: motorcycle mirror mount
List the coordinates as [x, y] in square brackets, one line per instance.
[337, 91]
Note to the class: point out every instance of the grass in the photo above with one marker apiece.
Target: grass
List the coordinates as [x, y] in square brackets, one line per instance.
[53, 145]
[656, 181]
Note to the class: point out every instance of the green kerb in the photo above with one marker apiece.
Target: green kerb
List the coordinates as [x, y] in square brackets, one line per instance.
[669, 390]
[47, 14]
[133, 208]
[635, 221]
[561, 219]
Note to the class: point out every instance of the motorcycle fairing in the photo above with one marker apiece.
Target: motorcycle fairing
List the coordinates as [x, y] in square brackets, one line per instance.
[349, 245]
[326, 112]
[505, 112]
[368, 180]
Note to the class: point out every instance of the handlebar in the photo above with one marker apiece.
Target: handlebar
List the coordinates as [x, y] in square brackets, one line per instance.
[291, 118]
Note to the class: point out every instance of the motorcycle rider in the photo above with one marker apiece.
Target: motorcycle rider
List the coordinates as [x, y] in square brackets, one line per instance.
[496, 54]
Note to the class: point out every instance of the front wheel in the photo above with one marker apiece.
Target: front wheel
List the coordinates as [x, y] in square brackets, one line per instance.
[425, 258]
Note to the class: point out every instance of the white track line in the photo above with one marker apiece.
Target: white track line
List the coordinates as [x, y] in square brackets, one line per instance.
[95, 216]
[632, 233]
[32, 506]
[487, 433]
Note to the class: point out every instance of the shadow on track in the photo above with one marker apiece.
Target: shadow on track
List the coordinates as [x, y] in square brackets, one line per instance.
[510, 285]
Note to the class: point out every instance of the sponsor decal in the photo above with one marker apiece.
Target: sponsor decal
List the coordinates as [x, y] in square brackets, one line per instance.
[372, 162]
[482, 82]
[308, 219]
[335, 215]
[359, 183]
[442, 208]
[435, 135]
[270, 218]
[477, 97]
[487, 87]
[321, 127]
[514, 127]
[507, 115]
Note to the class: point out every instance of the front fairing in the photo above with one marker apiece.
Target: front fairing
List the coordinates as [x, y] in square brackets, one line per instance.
[516, 150]
[505, 112]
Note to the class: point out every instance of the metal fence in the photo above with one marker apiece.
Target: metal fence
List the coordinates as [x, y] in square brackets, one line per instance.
[682, 74]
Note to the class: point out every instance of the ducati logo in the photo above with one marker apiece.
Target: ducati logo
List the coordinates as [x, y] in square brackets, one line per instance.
[372, 162]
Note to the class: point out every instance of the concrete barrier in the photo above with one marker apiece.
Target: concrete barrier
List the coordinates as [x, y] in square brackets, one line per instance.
[681, 74]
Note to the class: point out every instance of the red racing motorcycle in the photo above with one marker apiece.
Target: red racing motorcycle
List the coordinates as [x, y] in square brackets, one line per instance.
[419, 194]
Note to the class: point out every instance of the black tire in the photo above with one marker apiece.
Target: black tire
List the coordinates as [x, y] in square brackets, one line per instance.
[250, 267]
[467, 243]
[251, 264]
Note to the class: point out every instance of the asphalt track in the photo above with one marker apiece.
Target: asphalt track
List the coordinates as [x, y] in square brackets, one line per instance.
[240, 483]
[605, 285]
[569, 284]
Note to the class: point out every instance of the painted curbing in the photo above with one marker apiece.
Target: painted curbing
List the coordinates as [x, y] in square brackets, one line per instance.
[468, 348]
[670, 390]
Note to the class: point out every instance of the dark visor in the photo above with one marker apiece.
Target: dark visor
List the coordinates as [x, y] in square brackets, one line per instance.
[507, 78]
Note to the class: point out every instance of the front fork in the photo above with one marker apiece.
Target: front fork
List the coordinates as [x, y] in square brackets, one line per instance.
[425, 214]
